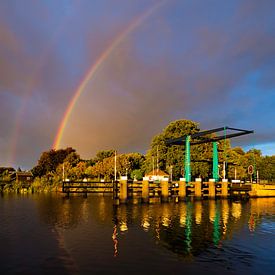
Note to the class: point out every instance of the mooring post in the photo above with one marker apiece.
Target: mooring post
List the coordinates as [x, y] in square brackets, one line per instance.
[182, 189]
[211, 189]
[145, 189]
[224, 188]
[123, 189]
[164, 189]
[198, 188]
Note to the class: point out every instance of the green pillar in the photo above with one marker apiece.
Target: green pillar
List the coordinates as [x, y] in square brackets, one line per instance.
[215, 162]
[187, 164]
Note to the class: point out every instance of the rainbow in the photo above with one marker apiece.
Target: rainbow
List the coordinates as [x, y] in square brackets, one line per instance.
[31, 84]
[94, 68]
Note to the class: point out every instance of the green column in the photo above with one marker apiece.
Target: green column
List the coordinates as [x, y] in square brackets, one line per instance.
[187, 164]
[215, 161]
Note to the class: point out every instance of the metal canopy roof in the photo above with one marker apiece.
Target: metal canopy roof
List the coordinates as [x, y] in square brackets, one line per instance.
[201, 139]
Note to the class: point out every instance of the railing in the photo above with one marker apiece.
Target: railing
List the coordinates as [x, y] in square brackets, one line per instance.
[87, 187]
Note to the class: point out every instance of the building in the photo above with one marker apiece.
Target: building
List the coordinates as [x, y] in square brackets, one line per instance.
[157, 175]
[24, 177]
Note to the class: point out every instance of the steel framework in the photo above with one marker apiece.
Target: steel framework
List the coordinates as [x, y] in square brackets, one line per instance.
[203, 137]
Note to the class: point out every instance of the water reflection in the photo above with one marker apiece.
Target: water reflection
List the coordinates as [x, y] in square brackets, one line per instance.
[95, 230]
[225, 215]
[185, 228]
[188, 228]
[198, 212]
[182, 213]
[93, 234]
[145, 218]
[236, 210]
[115, 240]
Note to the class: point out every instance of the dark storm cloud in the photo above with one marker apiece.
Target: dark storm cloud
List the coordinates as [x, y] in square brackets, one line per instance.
[140, 97]
[210, 61]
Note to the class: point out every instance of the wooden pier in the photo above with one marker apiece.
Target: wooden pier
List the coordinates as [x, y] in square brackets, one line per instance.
[164, 190]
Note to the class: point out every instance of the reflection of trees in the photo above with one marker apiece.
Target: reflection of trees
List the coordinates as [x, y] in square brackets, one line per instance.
[260, 207]
[64, 213]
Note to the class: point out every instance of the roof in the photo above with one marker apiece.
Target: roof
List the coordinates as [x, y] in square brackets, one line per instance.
[157, 172]
[26, 174]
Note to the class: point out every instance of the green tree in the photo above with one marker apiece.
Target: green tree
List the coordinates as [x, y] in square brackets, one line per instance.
[136, 174]
[49, 161]
[267, 168]
[103, 154]
[73, 158]
[126, 163]
[172, 157]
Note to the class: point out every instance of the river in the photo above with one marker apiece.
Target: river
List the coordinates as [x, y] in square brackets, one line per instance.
[50, 234]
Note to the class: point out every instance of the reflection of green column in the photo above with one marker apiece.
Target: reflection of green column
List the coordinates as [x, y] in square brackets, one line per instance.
[188, 228]
[215, 161]
[187, 164]
[216, 231]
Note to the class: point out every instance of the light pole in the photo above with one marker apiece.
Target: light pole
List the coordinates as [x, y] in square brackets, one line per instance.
[115, 165]
[171, 172]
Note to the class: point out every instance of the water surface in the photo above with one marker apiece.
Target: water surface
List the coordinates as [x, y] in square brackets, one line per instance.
[48, 233]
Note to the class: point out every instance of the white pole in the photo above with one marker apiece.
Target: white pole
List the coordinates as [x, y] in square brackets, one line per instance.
[63, 174]
[157, 160]
[224, 170]
[115, 165]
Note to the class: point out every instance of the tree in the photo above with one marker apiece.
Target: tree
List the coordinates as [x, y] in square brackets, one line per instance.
[79, 170]
[73, 158]
[267, 168]
[126, 163]
[49, 161]
[172, 157]
[137, 174]
[103, 154]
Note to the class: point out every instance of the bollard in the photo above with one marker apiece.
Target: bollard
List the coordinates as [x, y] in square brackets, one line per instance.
[182, 189]
[211, 189]
[224, 188]
[164, 189]
[198, 188]
[145, 189]
[123, 189]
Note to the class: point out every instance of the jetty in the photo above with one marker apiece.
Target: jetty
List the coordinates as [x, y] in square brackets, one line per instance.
[149, 191]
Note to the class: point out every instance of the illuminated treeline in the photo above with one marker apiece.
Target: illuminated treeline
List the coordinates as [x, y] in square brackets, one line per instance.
[54, 166]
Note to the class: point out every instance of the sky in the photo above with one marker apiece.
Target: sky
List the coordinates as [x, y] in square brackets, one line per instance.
[111, 74]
